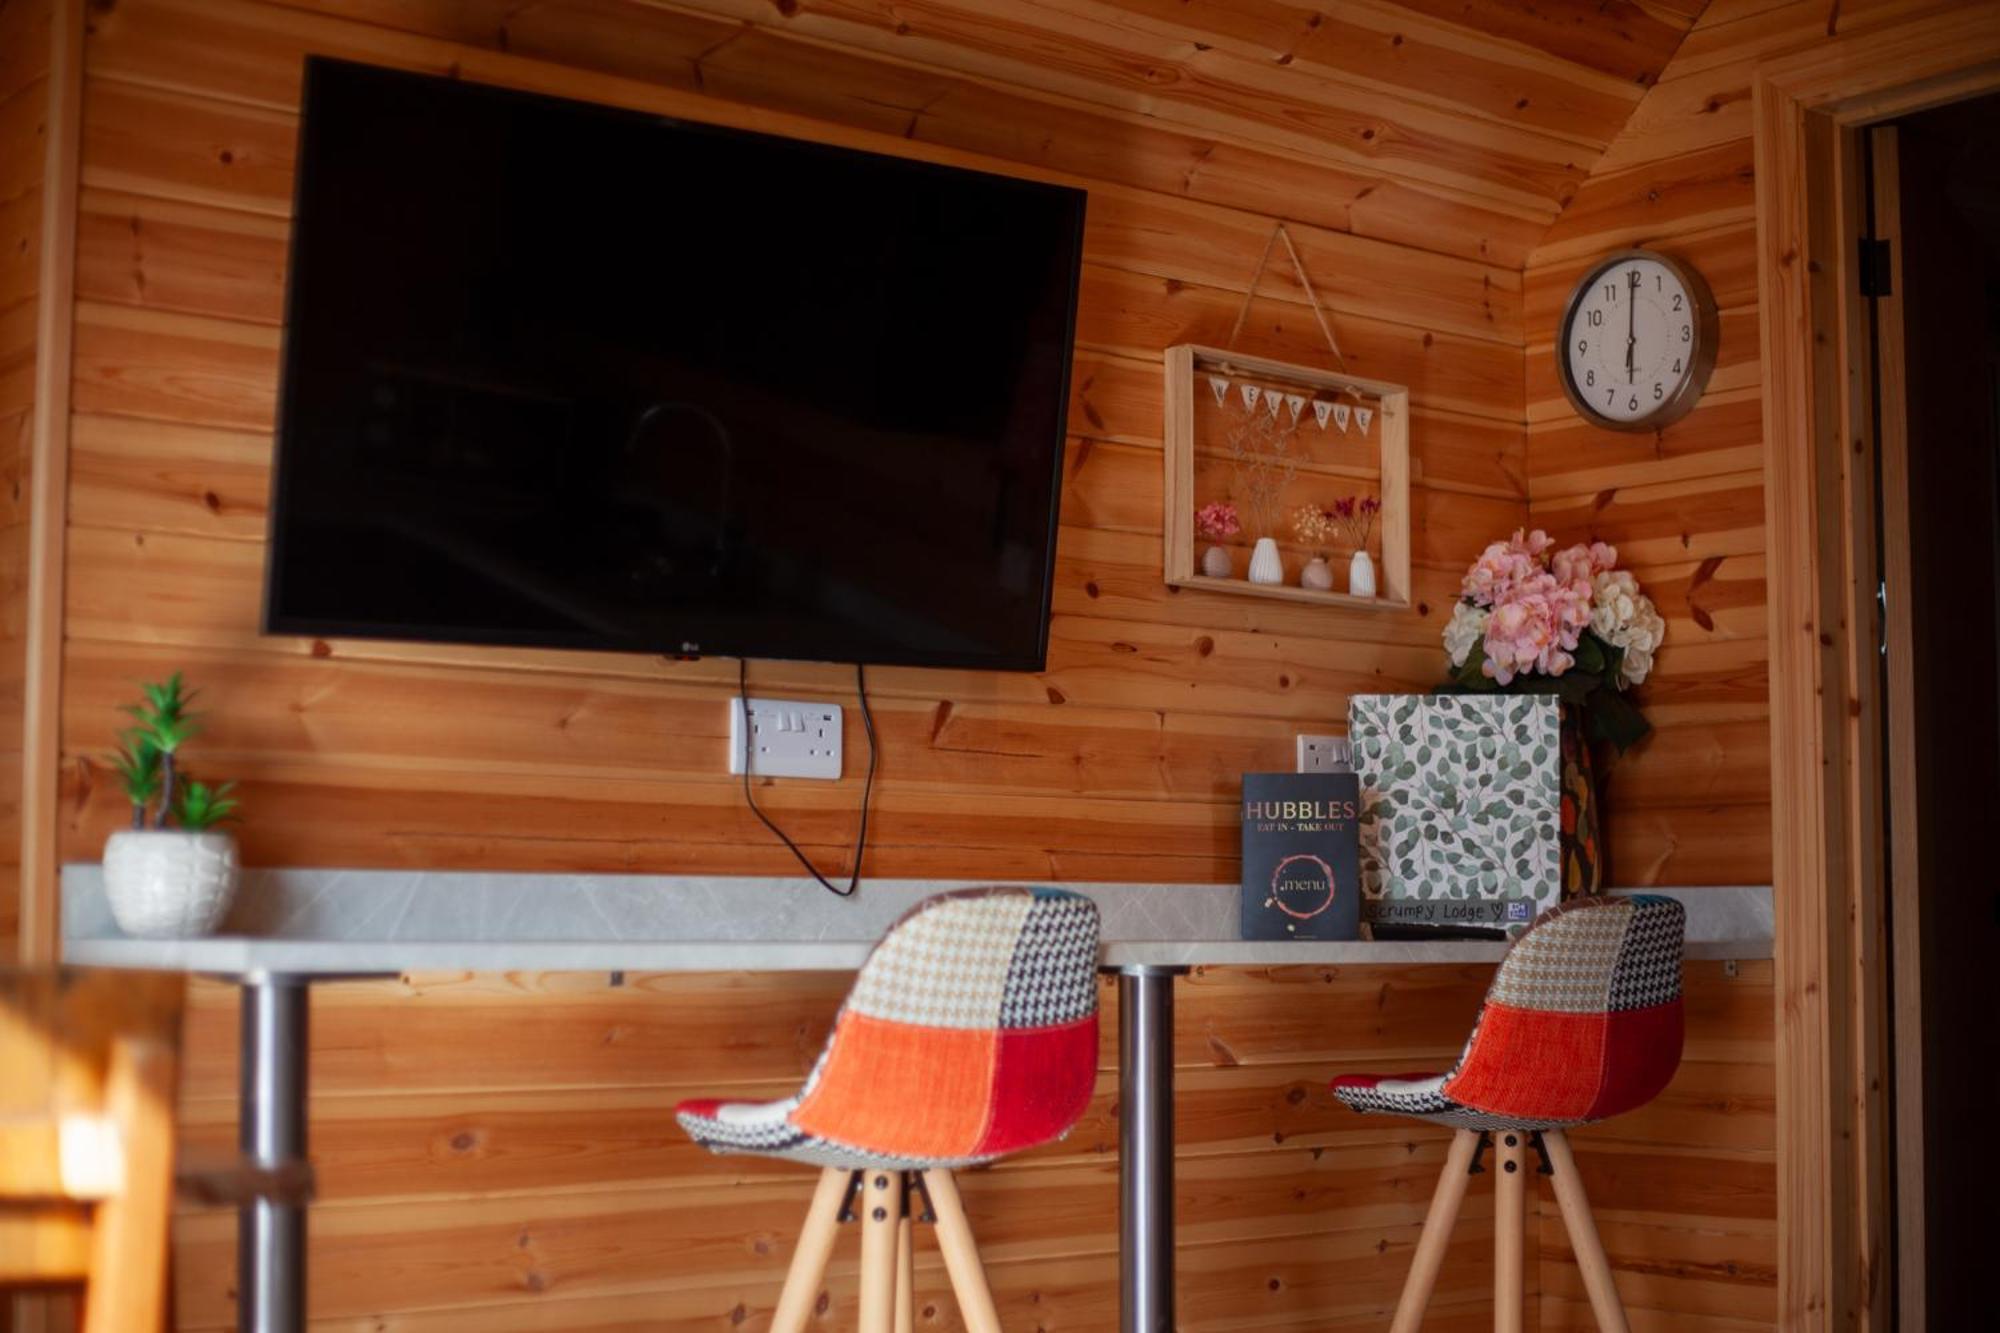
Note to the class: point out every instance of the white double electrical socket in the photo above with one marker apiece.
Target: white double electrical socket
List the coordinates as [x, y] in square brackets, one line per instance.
[788, 739]
[1322, 754]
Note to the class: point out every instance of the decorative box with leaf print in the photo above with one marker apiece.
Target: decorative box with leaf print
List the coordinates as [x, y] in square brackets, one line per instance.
[1460, 808]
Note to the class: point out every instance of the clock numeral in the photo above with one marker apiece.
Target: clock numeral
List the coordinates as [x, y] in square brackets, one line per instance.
[1610, 396]
[1658, 392]
[1687, 333]
[1677, 366]
[1633, 406]
[1677, 303]
[1582, 346]
[1596, 319]
[1590, 379]
[1611, 291]
[1659, 285]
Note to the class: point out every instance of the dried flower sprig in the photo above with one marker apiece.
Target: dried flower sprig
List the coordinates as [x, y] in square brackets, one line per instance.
[1361, 526]
[1260, 455]
[1312, 526]
[1355, 515]
[1217, 521]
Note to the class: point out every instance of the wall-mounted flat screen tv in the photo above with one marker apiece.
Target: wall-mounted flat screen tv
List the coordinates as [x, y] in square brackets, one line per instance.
[566, 375]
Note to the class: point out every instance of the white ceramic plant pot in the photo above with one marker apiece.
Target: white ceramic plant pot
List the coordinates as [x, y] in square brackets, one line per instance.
[1361, 575]
[1266, 565]
[168, 884]
[1316, 575]
[1216, 562]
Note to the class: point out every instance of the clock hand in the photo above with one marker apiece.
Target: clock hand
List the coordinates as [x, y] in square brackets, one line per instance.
[1631, 328]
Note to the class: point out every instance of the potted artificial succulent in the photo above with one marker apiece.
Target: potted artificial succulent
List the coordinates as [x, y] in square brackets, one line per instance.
[173, 873]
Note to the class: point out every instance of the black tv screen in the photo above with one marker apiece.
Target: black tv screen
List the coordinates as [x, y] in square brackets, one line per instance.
[565, 375]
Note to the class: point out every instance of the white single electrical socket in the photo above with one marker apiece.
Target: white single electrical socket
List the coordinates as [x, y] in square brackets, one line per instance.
[789, 738]
[1322, 754]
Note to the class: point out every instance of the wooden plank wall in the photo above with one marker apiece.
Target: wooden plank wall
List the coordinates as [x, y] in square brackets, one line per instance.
[495, 1151]
[1687, 506]
[24, 69]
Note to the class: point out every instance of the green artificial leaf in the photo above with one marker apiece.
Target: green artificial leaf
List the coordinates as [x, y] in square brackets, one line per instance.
[1615, 718]
[1589, 654]
[199, 807]
[164, 715]
[137, 763]
[1467, 677]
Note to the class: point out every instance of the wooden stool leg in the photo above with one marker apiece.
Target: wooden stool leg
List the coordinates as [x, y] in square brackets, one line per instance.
[1583, 1239]
[128, 1252]
[1438, 1222]
[906, 1265]
[961, 1256]
[809, 1257]
[1510, 1197]
[881, 1220]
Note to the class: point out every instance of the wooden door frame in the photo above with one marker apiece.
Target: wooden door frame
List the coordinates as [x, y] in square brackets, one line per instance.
[1833, 1146]
[1904, 1019]
[39, 886]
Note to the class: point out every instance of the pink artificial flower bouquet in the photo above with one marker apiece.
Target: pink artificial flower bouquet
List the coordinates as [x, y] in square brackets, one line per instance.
[1217, 521]
[1569, 622]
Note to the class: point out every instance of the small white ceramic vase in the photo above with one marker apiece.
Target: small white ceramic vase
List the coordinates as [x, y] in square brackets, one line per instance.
[1216, 562]
[1266, 565]
[1361, 575]
[1316, 575]
[166, 884]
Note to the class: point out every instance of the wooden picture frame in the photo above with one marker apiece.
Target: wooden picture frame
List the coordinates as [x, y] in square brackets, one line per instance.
[1186, 366]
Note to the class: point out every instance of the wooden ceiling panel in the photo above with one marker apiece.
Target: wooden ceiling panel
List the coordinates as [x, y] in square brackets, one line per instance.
[1502, 106]
[1626, 39]
[1460, 126]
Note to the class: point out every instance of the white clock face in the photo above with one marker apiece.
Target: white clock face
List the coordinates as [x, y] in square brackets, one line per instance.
[1633, 342]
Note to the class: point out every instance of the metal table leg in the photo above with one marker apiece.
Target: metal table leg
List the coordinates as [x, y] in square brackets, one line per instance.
[271, 1233]
[1146, 1149]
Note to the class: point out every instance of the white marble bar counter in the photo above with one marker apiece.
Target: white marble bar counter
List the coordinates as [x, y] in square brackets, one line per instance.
[373, 922]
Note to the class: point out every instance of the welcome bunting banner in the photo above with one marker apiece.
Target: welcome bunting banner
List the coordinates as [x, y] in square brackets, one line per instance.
[1341, 415]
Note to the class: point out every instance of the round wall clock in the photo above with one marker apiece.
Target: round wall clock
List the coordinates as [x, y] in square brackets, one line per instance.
[1637, 341]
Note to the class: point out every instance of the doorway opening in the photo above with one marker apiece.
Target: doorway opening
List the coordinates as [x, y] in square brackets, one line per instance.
[1932, 276]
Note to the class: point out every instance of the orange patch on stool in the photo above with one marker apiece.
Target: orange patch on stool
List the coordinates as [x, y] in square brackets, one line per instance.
[1538, 1064]
[901, 1090]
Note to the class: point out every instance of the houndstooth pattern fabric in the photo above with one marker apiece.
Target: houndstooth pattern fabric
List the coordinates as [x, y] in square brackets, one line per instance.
[724, 1127]
[1052, 976]
[1649, 967]
[1423, 1098]
[1411, 1096]
[946, 964]
[1565, 964]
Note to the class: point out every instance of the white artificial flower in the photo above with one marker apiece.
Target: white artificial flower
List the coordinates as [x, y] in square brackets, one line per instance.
[1614, 603]
[1626, 618]
[1466, 631]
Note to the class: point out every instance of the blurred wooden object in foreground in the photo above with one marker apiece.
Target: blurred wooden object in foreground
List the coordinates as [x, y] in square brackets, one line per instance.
[87, 1079]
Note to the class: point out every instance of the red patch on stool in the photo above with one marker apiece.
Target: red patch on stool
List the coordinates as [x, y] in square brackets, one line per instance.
[1042, 1085]
[1645, 1047]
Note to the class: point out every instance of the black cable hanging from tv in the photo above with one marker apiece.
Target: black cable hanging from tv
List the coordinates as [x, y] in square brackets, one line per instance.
[867, 783]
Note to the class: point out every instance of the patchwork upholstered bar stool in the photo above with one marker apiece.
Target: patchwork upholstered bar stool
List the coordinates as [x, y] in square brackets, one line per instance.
[970, 1033]
[1582, 1022]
